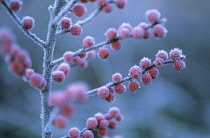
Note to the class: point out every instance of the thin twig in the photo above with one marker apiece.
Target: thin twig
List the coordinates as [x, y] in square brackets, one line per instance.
[28, 33]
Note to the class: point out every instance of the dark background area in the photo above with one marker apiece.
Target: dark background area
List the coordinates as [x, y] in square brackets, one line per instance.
[176, 105]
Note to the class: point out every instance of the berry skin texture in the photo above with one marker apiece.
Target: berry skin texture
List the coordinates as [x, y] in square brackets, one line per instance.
[154, 72]
[60, 121]
[27, 22]
[125, 30]
[76, 30]
[87, 134]
[119, 88]
[116, 45]
[112, 124]
[99, 117]
[119, 118]
[68, 57]
[110, 98]
[175, 53]
[102, 132]
[103, 92]
[88, 41]
[65, 68]
[146, 78]
[121, 3]
[117, 77]
[91, 123]
[153, 16]
[103, 124]
[79, 10]
[58, 76]
[159, 62]
[133, 86]
[65, 23]
[103, 53]
[107, 8]
[114, 112]
[15, 5]
[144, 63]
[162, 54]
[138, 33]
[35, 80]
[159, 31]
[135, 72]
[74, 133]
[111, 33]
[179, 65]
[67, 110]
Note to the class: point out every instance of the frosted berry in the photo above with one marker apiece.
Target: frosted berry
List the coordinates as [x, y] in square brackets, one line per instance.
[117, 77]
[121, 3]
[135, 72]
[133, 86]
[88, 41]
[125, 30]
[119, 88]
[147, 78]
[60, 121]
[99, 117]
[103, 53]
[82, 55]
[76, 30]
[159, 31]
[179, 65]
[58, 76]
[175, 53]
[57, 99]
[67, 110]
[112, 124]
[91, 123]
[65, 23]
[103, 124]
[154, 73]
[65, 68]
[144, 63]
[114, 112]
[35, 80]
[162, 54]
[116, 45]
[111, 33]
[159, 62]
[153, 16]
[42, 84]
[79, 10]
[146, 29]
[87, 134]
[110, 98]
[15, 5]
[103, 92]
[29, 72]
[107, 8]
[107, 116]
[74, 132]
[102, 132]
[68, 57]
[28, 22]
[138, 33]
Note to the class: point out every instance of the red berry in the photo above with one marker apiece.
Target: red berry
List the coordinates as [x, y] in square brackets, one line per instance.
[15, 5]
[112, 124]
[35, 80]
[144, 63]
[68, 57]
[121, 3]
[102, 132]
[179, 65]
[111, 33]
[154, 73]
[103, 53]
[114, 112]
[65, 68]
[110, 98]
[74, 132]
[103, 92]
[91, 123]
[76, 30]
[79, 10]
[159, 62]
[99, 117]
[162, 54]
[116, 45]
[103, 124]
[65, 23]
[135, 72]
[60, 121]
[153, 16]
[58, 76]
[107, 8]
[147, 78]
[159, 31]
[119, 88]
[88, 41]
[67, 110]
[28, 22]
[117, 77]
[133, 85]
[138, 33]
[87, 134]
[175, 53]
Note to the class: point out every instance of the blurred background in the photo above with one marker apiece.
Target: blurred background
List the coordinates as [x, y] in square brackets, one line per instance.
[176, 105]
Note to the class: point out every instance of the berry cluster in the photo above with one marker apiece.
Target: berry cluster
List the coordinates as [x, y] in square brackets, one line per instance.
[146, 72]
[62, 101]
[99, 122]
